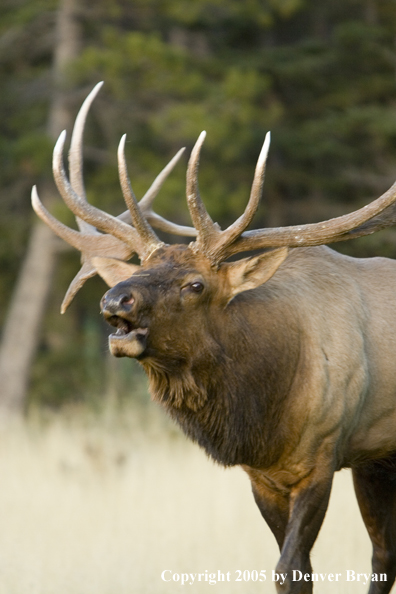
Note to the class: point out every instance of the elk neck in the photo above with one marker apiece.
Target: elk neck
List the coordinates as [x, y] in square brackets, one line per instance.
[227, 391]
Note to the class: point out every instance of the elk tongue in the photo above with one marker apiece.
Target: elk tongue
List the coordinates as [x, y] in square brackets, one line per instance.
[131, 345]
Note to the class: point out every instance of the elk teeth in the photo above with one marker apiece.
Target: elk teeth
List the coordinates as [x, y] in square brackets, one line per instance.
[124, 327]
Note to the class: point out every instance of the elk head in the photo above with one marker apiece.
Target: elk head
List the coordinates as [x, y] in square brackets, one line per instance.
[179, 287]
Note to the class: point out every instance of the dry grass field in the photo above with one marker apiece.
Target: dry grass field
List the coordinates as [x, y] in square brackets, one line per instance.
[104, 504]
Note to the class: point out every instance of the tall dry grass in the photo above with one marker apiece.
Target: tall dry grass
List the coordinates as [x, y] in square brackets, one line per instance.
[103, 504]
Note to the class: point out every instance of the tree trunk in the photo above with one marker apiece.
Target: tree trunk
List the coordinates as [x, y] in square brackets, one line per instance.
[21, 329]
[21, 332]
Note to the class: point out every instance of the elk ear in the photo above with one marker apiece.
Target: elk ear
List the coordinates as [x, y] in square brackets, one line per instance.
[113, 271]
[249, 273]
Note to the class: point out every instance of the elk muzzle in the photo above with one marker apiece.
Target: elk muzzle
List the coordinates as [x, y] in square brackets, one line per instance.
[119, 310]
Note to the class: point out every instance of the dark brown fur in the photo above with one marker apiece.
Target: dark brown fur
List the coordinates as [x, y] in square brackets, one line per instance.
[210, 385]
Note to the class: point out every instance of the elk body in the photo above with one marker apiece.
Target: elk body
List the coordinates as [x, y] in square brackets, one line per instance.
[282, 362]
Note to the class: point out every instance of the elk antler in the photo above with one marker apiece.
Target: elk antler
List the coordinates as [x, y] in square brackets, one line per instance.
[219, 245]
[211, 240]
[120, 240]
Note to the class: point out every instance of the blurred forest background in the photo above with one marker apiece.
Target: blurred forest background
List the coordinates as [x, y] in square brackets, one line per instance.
[320, 75]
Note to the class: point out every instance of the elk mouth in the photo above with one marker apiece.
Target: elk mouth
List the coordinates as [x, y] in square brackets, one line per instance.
[129, 340]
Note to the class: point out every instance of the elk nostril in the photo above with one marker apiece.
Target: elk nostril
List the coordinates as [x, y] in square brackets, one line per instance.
[126, 300]
[113, 304]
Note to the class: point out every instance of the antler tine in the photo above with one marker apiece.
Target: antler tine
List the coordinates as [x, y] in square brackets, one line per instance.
[206, 229]
[76, 151]
[164, 225]
[145, 204]
[244, 221]
[86, 271]
[147, 235]
[152, 217]
[227, 237]
[87, 212]
[69, 235]
[90, 244]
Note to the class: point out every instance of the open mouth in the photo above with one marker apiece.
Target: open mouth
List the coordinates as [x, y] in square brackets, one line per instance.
[128, 340]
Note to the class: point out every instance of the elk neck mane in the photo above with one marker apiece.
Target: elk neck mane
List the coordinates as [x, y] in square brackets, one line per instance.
[216, 396]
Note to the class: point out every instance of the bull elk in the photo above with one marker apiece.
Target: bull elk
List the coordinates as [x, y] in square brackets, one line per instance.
[282, 362]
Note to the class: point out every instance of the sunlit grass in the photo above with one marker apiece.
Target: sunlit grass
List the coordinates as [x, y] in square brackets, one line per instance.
[103, 504]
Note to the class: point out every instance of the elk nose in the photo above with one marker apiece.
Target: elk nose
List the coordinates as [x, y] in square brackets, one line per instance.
[113, 304]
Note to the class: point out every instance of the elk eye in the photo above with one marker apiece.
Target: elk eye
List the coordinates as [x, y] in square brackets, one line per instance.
[197, 287]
